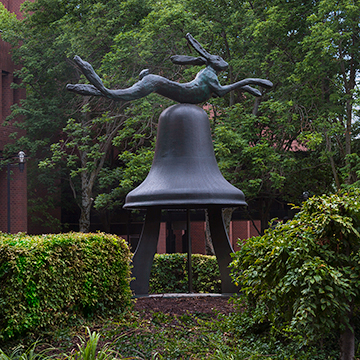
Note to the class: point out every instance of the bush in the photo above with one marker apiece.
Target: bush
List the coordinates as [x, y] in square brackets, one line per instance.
[50, 279]
[169, 274]
[304, 276]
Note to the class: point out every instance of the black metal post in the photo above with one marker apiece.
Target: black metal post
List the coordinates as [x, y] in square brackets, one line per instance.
[222, 247]
[190, 279]
[145, 251]
[8, 199]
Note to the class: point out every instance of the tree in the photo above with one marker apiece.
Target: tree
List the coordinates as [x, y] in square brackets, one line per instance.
[52, 32]
[332, 62]
[311, 61]
[303, 275]
[258, 142]
[260, 155]
[303, 133]
[85, 150]
[314, 48]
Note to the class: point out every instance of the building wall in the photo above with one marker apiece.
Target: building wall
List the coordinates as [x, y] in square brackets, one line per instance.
[239, 230]
[242, 230]
[18, 182]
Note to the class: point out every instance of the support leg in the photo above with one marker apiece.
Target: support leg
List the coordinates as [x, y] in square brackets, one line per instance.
[145, 251]
[222, 248]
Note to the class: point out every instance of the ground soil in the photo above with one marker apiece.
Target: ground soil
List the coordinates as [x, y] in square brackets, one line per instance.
[181, 305]
[147, 306]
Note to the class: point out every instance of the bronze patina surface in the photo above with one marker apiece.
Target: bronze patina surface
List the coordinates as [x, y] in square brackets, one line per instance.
[202, 88]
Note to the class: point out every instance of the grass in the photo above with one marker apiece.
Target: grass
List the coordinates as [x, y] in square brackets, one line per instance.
[162, 336]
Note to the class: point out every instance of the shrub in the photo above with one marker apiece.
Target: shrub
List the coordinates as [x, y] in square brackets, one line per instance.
[169, 274]
[50, 279]
[304, 276]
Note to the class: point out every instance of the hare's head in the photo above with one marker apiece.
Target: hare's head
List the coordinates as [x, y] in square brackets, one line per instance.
[215, 61]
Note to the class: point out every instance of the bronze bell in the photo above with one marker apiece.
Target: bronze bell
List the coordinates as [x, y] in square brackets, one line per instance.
[184, 172]
[184, 175]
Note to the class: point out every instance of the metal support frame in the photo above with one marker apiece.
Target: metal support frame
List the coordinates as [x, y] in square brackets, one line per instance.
[146, 249]
[222, 248]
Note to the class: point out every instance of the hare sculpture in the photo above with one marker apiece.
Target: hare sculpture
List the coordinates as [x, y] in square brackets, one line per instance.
[203, 87]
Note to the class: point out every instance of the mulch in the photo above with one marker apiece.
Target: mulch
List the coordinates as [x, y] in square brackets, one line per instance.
[146, 306]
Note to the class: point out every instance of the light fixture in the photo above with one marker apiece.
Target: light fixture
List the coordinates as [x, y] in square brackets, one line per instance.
[21, 156]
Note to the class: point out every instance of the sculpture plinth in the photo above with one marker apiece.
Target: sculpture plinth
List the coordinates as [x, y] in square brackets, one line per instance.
[184, 175]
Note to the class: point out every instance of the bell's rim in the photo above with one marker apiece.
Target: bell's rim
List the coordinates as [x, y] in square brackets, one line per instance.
[182, 204]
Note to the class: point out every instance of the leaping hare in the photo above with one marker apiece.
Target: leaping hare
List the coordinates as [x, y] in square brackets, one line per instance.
[204, 86]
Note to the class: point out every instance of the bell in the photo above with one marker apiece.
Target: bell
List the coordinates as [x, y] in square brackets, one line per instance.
[184, 175]
[184, 172]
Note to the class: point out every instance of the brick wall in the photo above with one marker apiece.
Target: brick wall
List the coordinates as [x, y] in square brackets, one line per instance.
[18, 180]
[161, 247]
[242, 229]
[239, 229]
[197, 231]
[18, 200]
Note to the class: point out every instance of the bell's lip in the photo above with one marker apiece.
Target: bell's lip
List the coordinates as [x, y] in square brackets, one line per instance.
[183, 204]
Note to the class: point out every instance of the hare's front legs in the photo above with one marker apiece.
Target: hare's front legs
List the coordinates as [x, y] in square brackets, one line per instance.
[250, 90]
[242, 85]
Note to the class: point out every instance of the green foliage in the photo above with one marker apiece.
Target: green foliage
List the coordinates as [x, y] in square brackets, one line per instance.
[7, 19]
[202, 336]
[44, 42]
[89, 350]
[303, 276]
[169, 274]
[48, 280]
[29, 354]
[308, 49]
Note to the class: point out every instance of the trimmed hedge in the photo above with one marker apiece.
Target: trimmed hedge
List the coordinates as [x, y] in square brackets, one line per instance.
[169, 274]
[50, 279]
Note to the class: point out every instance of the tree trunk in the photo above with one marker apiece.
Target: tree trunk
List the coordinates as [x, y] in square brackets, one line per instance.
[209, 248]
[227, 215]
[349, 79]
[347, 344]
[255, 109]
[86, 202]
[349, 179]
[264, 213]
[332, 162]
[86, 199]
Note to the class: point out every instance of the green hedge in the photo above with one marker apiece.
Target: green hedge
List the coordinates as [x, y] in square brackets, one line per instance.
[50, 279]
[169, 274]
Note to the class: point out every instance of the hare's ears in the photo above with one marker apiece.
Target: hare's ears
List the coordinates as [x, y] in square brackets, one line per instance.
[188, 60]
[196, 45]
